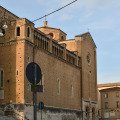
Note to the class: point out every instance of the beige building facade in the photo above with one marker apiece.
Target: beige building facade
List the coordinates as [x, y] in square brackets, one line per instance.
[109, 101]
[68, 68]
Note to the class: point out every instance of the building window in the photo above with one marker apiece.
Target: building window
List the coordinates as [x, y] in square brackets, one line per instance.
[58, 86]
[118, 104]
[17, 72]
[99, 113]
[88, 58]
[28, 59]
[106, 105]
[28, 32]
[72, 90]
[70, 58]
[46, 45]
[79, 61]
[60, 53]
[18, 31]
[1, 78]
[62, 38]
[93, 113]
[87, 111]
[1, 94]
[42, 82]
[117, 94]
[105, 95]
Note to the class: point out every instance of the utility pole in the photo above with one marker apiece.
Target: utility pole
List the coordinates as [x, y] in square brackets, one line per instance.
[35, 95]
[33, 73]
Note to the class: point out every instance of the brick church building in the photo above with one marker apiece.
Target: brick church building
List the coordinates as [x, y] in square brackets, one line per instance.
[69, 71]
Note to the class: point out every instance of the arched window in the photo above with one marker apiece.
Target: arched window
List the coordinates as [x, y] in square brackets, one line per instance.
[28, 32]
[18, 31]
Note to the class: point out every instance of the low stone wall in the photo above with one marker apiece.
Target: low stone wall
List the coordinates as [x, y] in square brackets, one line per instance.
[25, 112]
[6, 118]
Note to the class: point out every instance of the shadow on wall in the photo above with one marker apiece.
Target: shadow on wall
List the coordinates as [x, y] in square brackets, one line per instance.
[68, 117]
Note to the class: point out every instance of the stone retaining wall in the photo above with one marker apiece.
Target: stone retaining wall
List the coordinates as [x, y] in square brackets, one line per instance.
[49, 113]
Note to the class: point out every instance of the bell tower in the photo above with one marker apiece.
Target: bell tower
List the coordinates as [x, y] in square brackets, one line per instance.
[24, 29]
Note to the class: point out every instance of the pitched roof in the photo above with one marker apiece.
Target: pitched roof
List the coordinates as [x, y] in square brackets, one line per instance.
[110, 89]
[86, 34]
[8, 12]
[108, 85]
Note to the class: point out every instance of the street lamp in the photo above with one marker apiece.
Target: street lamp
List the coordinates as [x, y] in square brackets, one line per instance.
[3, 25]
[2, 32]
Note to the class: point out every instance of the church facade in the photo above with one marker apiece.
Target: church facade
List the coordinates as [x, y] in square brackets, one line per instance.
[68, 68]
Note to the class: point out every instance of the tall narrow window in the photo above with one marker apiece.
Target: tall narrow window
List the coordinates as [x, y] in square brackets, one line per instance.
[17, 72]
[117, 94]
[72, 91]
[42, 82]
[106, 105]
[18, 31]
[62, 38]
[28, 32]
[1, 78]
[87, 111]
[105, 95]
[28, 59]
[93, 113]
[58, 86]
[117, 104]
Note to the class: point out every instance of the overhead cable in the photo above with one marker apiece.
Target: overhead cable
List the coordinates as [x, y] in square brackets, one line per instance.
[54, 11]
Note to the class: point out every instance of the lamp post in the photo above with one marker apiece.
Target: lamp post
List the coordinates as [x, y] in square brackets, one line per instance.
[3, 25]
[2, 29]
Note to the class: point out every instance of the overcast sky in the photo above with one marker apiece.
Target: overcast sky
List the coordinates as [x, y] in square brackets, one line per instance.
[100, 17]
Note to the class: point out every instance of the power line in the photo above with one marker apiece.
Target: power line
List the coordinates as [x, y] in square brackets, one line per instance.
[49, 13]
[54, 11]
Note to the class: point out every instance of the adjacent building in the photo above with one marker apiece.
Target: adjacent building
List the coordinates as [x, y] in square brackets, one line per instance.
[109, 101]
[68, 67]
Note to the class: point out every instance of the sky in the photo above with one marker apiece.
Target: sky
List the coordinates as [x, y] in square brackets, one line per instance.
[100, 17]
